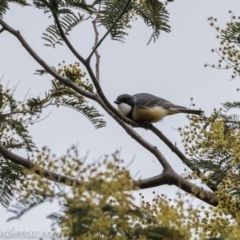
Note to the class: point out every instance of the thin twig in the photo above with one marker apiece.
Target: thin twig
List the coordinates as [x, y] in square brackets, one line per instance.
[109, 30]
[41, 119]
[26, 95]
[174, 148]
[96, 42]
[1, 30]
[172, 178]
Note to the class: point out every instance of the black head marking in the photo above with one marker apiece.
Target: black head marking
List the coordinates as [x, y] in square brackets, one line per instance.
[125, 98]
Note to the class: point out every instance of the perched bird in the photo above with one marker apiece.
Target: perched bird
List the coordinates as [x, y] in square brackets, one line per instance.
[144, 107]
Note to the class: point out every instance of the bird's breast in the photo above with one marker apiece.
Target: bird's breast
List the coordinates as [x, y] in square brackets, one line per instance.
[152, 115]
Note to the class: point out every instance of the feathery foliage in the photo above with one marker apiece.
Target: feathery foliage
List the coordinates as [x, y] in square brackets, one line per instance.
[209, 142]
[212, 143]
[4, 5]
[229, 51]
[153, 13]
[63, 6]
[61, 95]
[103, 206]
[14, 121]
[115, 16]
[68, 22]
[25, 205]
[10, 175]
[68, 18]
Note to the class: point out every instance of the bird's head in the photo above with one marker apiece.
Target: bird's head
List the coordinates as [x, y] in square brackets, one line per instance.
[125, 103]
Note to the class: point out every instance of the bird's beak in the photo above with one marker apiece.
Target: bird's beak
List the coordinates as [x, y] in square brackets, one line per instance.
[117, 102]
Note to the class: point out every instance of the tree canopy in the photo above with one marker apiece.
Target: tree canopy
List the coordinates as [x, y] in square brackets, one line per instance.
[97, 199]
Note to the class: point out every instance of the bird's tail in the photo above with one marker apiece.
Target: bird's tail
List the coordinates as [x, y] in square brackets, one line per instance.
[191, 111]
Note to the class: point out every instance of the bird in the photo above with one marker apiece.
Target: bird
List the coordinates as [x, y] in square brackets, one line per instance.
[147, 108]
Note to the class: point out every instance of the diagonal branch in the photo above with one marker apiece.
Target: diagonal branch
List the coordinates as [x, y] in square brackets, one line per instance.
[109, 30]
[40, 171]
[174, 148]
[172, 178]
[62, 79]
[1, 30]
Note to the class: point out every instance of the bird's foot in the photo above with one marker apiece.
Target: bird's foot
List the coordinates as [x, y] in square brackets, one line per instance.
[145, 125]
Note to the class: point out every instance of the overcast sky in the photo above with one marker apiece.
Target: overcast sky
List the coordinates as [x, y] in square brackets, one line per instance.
[171, 68]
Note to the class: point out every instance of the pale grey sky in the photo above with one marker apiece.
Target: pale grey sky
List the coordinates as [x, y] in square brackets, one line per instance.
[171, 68]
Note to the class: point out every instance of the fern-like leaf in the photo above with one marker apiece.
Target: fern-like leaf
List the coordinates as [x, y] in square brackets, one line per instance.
[80, 5]
[230, 105]
[10, 173]
[60, 95]
[13, 130]
[154, 15]
[67, 97]
[4, 5]
[68, 22]
[153, 12]
[25, 205]
[110, 11]
[232, 32]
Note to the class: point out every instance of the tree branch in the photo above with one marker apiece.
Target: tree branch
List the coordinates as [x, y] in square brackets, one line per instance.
[40, 171]
[109, 30]
[62, 79]
[174, 148]
[1, 30]
[14, 112]
[168, 176]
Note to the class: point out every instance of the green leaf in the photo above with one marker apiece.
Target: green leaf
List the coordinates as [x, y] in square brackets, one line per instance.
[68, 22]
[153, 13]
[10, 174]
[25, 205]
[61, 95]
[4, 5]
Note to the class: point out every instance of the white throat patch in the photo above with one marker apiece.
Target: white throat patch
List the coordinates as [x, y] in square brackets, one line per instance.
[124, 108]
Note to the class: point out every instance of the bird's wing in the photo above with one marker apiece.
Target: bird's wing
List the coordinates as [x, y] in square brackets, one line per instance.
[149, 100]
